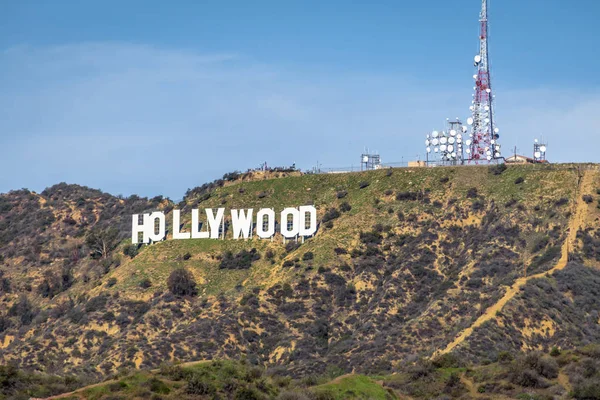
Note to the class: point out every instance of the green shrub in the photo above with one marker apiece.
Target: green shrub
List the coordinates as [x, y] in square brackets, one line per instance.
[131, 250]
[345, 207]
[182, 283]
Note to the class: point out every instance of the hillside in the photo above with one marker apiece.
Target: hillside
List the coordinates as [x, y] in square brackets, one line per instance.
[407, 263]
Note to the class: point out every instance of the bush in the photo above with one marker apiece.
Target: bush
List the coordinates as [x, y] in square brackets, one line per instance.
[588, 389]
[131, 250]
[472, 193]
[145, 283]
[444, 179]
[231, 176]
[187, 256]
[241, 260]
[587, 198]
[341, 194]
[291, 246]
[111, 282]
[531, 369]
[449, 360]
[340, 250]
[308, 256]
[562, 201]
[402, 196]
[182, 283]
[330, 215]
[345, 207]
[363, 184]
[497, 169]
[372, 238]
[199, 384]
[519, 180]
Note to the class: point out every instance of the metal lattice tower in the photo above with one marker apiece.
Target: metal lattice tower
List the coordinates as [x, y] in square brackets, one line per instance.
[484, 133]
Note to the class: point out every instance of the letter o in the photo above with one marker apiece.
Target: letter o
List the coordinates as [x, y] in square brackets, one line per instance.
[285, 231]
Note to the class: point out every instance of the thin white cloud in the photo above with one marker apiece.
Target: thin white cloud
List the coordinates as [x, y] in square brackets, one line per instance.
[136, 118]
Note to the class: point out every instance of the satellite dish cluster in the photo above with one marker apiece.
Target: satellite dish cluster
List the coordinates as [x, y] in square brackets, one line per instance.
[448, 144]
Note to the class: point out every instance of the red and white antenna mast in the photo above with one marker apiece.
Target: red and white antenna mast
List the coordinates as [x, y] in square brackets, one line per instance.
[483, 140]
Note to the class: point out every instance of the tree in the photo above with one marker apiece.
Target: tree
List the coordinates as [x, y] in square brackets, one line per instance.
[181, 283]
[102, 242]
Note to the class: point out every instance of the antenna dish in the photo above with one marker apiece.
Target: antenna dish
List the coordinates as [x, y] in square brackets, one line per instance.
[496, 130]
[427, 142]
[489, 158]
[470, 121]
[543, 149]
[435, 150]
[477, 58]
[365, 159]
[434, 134]
[464, 129]
[468, 151]
[488, 90]
[451, 140]
[537, 154]
[450, 148]
[443, 147]
[443, 140]
[435, 142]
[468, 142]
[487, 108]
[453, 155]
[452, 132]
[428, 149]
[497, 155]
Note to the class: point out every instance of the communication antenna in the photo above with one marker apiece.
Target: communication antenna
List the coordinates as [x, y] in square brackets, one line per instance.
[484, 146]
[539, 150]
[369, 161]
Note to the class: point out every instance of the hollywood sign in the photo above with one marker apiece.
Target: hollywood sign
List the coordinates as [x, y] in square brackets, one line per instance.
[293, 222]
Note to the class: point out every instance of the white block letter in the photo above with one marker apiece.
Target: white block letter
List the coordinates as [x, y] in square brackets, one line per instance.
[176, 224]
[136, 228]
[312, 228]
[214, 221]
[195, 224]
[241, 223]
[292, 231]
[149, 223]
[260, 216]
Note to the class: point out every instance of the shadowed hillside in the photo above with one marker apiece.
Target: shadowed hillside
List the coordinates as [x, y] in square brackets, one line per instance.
[404, 262]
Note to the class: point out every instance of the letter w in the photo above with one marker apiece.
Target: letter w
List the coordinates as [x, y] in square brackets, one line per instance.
[241, 222]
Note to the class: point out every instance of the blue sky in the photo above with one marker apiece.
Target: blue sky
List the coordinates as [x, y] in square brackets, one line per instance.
[153, 97]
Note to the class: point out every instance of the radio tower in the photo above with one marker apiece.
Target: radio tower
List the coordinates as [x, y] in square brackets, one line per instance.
[484, 134]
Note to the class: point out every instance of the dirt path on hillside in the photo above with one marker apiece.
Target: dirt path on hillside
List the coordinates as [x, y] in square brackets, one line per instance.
[585, 187]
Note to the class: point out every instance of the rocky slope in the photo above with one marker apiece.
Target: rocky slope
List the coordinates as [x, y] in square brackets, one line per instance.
[406, 263]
